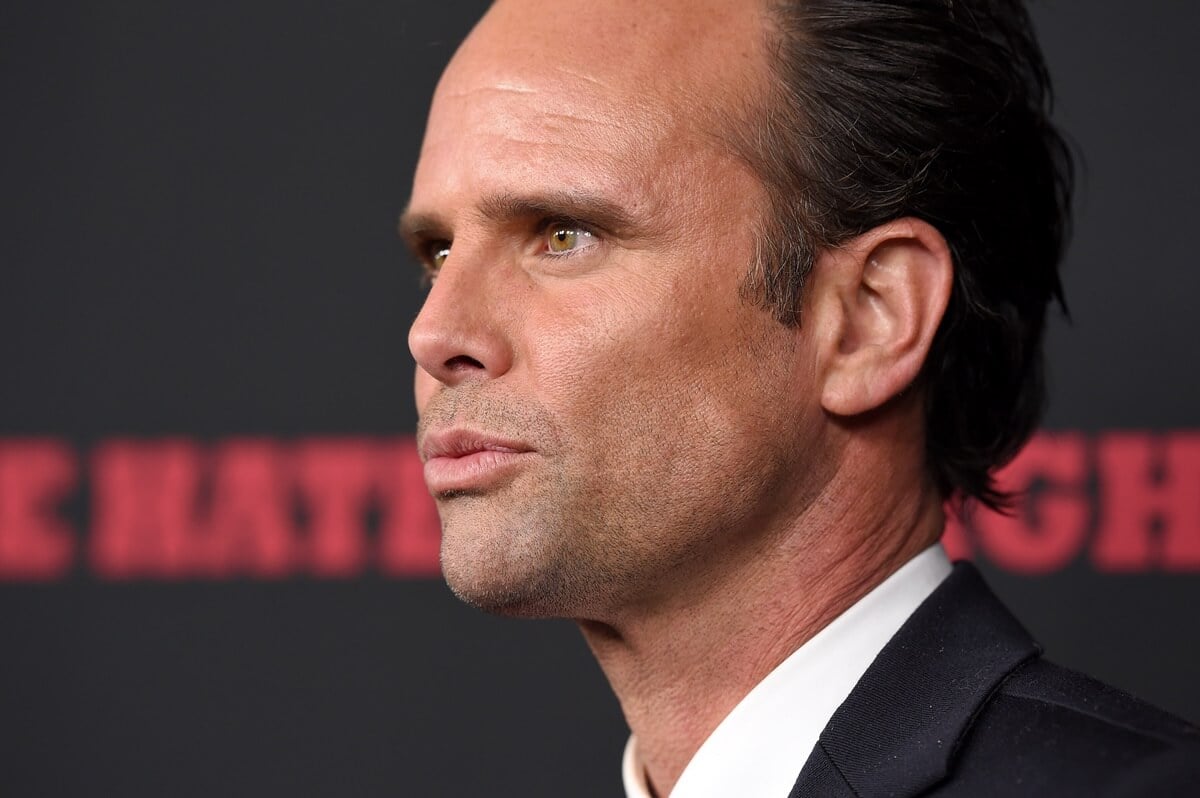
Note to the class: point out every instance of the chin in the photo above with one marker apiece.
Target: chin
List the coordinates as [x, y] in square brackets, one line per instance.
[511, 597]
[515, 586]
[522, 564]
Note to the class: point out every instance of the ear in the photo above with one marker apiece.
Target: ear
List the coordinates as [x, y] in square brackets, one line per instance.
[881, 299]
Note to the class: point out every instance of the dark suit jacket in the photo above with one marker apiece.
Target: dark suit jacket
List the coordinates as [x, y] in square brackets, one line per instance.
[961, 703]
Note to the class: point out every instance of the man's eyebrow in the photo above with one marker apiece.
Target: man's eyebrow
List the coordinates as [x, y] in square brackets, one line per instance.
[585, 208]
[506, 208]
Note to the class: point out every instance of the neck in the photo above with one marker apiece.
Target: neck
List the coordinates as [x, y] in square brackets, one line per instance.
[679, 667]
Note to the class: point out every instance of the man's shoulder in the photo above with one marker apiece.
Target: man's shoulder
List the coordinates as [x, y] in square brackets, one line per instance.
[1048, 730]
[1043, 687]
[960, 702]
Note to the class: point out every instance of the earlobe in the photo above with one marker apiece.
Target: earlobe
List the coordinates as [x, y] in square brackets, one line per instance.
[892, 286]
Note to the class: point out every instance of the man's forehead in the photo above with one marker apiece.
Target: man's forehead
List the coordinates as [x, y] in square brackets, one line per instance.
[682, 50]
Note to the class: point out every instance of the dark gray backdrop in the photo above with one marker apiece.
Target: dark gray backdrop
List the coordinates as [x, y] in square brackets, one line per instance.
[197, 240]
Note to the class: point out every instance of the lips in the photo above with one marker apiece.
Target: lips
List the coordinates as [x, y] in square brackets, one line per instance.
[462, 460]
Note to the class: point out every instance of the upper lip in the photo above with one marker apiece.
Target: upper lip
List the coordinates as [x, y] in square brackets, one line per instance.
[462, 442]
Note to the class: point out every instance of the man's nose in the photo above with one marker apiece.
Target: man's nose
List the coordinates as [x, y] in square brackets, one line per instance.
[457, 335]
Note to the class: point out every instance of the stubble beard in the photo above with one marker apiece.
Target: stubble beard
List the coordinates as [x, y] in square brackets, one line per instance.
[537, 545]
[526, 557]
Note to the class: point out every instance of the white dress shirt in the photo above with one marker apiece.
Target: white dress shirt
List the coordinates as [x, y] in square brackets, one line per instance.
[757, 751]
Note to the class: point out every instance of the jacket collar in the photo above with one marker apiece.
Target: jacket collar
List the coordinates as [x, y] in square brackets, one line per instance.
[898, 732]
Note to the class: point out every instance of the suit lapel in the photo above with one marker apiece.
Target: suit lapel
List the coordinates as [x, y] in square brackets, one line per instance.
[897, 732]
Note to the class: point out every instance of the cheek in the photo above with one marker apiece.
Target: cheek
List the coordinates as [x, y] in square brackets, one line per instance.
[588, 352]
[650, 367]
[592, 335]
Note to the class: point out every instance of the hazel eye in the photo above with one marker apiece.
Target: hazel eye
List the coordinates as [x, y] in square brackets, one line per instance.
[563, 239]
[437, 255]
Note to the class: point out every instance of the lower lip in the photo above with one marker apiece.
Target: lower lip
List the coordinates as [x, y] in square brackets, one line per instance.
[473, 471]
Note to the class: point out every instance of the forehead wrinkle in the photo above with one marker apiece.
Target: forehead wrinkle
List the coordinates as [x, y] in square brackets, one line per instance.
[603, 112]
[582, 76]
[521, 87]
[515, 87]
[469, 92]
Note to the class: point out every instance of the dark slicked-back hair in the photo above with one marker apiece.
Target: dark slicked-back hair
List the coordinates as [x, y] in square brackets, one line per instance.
[939, 110]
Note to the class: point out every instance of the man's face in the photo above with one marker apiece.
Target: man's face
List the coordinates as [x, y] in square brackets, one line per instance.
[605, 421]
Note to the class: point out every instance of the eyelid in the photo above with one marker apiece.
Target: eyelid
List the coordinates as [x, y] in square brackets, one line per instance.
[566, 221]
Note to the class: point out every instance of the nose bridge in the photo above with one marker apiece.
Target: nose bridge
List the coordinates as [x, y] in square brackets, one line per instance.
[459, 332]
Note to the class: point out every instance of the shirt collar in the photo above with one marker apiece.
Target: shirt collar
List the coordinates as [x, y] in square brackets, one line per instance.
[753, 750]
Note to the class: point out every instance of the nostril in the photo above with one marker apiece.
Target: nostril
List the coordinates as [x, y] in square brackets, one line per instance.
[463, 363]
